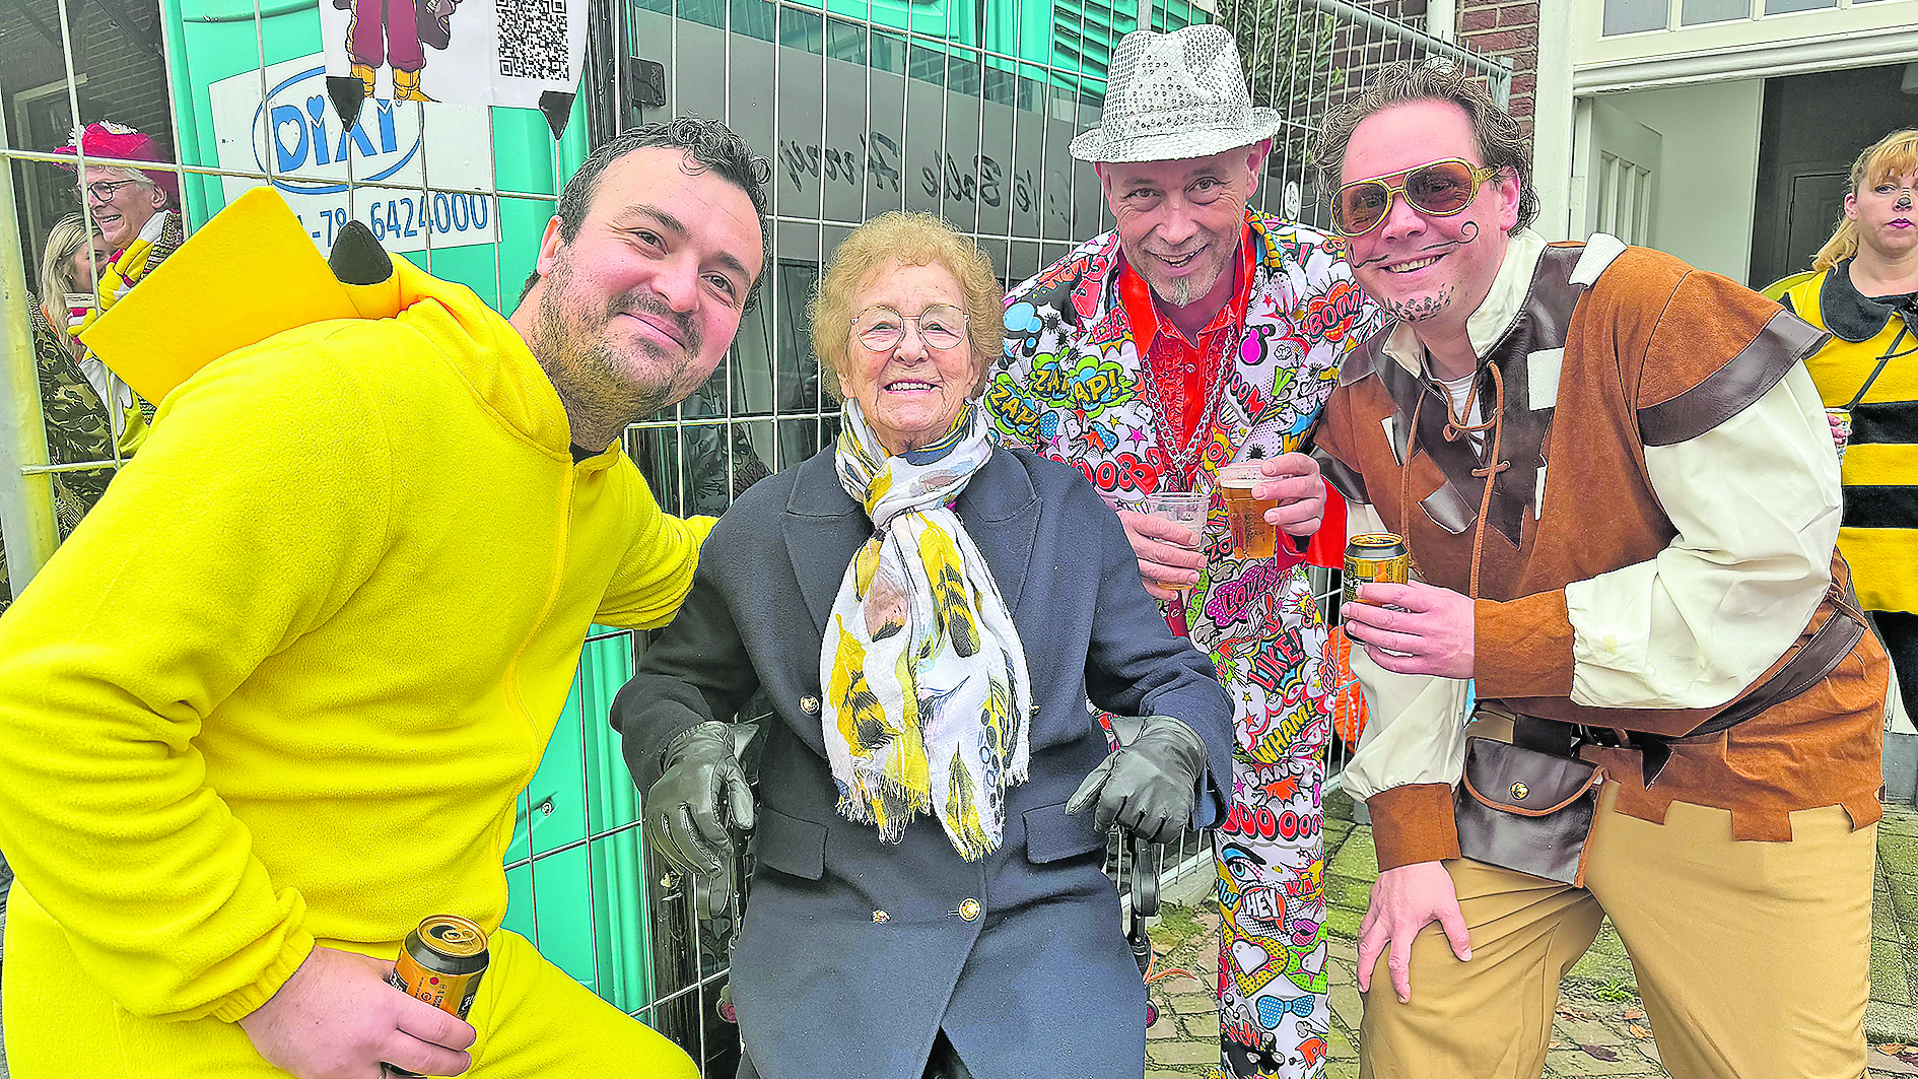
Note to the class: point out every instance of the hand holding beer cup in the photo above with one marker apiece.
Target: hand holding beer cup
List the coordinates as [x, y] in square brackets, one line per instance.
[1168, 553]
[1840, 421]
[1284, 493]
[1186, 509]
[1293, 483]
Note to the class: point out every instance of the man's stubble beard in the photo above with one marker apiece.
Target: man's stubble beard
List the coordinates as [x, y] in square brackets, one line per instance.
[584, 367]
[1178, 292]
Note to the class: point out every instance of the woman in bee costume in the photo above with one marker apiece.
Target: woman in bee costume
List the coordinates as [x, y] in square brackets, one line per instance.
[1863, 289]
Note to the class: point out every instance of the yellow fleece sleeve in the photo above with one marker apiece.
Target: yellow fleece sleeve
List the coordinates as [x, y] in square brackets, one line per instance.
[258, 504]
[656, 572]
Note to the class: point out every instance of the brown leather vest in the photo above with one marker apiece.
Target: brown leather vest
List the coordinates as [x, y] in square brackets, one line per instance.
[1651, 353]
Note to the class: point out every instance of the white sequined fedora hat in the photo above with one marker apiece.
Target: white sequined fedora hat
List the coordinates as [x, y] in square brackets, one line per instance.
[1175, 96]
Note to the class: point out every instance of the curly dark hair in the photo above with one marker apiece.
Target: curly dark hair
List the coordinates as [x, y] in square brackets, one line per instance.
[1500, 142]
[707, 144]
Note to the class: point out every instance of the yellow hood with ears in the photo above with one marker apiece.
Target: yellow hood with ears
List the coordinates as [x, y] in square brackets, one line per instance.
[246, 275]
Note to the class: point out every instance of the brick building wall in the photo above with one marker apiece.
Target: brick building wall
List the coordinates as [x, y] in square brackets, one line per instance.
[124, 80]
[1506, 29]
[125, 75]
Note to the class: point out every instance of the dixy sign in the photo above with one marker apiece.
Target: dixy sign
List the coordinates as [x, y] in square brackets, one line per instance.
[297, 129]
[292, 135]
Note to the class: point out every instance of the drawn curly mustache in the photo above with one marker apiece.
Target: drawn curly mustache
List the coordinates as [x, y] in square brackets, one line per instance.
[1468, 233]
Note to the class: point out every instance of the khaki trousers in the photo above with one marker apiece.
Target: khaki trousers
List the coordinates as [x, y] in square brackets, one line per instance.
[1753, 958]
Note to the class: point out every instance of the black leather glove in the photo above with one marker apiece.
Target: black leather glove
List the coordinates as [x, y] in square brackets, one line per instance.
[1149, 785]
[690, 812]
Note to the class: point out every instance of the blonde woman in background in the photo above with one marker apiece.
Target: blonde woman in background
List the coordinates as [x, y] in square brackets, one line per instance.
[69, 265]
[76, 424]
[1863, 289]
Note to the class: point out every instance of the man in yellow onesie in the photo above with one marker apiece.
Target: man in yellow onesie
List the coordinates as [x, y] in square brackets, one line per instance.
[272, 703]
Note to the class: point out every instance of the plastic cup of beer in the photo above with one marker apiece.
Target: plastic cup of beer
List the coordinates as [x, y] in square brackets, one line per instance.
[1252, 537]
[1841, 432]
[1185, 509]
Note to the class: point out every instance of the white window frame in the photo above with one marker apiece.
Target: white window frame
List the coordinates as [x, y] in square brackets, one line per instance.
[1852, 34]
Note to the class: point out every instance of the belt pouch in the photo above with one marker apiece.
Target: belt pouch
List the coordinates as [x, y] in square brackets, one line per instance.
[1525, 810]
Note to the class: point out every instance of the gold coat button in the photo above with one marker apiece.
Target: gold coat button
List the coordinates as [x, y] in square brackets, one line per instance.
[1520, 790]
[881, 916]
[969, 910]
[809, 705]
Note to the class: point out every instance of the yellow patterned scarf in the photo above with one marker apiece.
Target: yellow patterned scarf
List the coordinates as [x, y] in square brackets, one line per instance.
[926, 684]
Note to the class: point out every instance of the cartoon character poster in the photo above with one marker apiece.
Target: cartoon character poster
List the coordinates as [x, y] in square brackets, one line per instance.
[475, 52]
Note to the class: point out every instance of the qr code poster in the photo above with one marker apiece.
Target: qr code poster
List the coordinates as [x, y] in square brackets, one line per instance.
[474, 52]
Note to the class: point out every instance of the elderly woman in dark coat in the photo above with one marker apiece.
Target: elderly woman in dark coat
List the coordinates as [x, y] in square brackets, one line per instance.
[929, 615]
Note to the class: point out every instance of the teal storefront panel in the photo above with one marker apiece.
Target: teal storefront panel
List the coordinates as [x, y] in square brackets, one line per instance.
[211, 41]
[575, 866]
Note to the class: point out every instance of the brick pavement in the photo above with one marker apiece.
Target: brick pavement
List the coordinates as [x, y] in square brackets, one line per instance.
[1601, 1028]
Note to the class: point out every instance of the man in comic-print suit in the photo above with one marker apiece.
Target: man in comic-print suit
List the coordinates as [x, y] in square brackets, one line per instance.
[1195, 335]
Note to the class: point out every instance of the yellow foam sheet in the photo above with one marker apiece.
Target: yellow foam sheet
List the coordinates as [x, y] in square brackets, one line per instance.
[249, 273]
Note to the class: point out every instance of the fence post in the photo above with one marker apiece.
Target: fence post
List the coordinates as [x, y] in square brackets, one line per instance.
[26, 498]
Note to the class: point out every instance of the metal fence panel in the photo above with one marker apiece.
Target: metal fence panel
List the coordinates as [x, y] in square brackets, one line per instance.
[959, 107]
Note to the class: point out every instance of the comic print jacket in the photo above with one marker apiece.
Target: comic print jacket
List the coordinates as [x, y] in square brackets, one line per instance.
[1068, 387]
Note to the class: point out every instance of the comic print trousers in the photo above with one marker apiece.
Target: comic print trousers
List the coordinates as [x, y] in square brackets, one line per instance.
[1273, 1020]
[385, 32]
[1753, 958]
[533, 1019]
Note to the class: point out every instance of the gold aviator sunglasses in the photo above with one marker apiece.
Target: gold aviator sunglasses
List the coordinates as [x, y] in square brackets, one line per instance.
[1438, 189]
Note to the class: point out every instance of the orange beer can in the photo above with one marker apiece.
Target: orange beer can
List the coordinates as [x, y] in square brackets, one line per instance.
[441, 963]
[1374, 558]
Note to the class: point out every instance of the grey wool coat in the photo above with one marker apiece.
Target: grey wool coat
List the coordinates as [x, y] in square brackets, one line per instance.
[855, 953]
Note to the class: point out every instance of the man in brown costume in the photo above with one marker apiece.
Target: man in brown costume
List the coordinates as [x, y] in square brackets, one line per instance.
[1621, 502]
